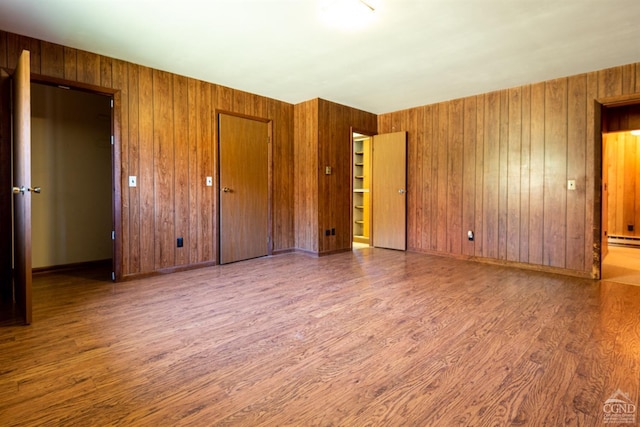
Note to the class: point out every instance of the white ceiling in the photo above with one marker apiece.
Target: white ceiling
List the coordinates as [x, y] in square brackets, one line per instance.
[412, 53]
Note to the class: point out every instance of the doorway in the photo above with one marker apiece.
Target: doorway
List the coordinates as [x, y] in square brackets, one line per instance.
[361, 195]
[244, 188]
[71, 160]
[620, 246]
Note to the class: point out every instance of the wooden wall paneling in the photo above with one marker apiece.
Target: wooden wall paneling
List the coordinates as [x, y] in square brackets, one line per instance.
[480, 164]
[106, 71]
[206, 167]
[628, 79]
[121, 134]
[214, 168]
[536, 175]
[164, 170]
[88, 67]
[491, 184]
[146, 174]
[454, 176]
[181, 170]
[414, 170]
[36, 61]
[70, 64]
[525, 173]
[283, 191]
[610, 82]
[513, 163]
[629, 195]
[441, 119]
[469, 174]
[192, 238]
[133, 169]
[593, 177]
[224, 98]
[52, 59]
[306, 176]
[577, 170]
[503, 174]
[15, 45]
[635, 196]
[433, 202]
[6, 181]
[3, 49]
[611, 154]
[429, 194]
[637, 78]
[555, 173]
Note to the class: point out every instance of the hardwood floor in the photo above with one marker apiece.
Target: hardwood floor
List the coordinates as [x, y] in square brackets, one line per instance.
[372, 337]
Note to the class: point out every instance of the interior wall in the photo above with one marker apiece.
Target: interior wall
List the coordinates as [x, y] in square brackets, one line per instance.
[623, 158]
[498, 164]
[165, 129]
[71, 161]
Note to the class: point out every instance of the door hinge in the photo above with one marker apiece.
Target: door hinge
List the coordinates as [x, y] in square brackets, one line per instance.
[113, 140]
[112, 103]
[113, 235]
[113, 276]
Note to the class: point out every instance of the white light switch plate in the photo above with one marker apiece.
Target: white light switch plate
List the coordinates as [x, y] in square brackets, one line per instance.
[132, 181]
[571, 184]
[209, 181]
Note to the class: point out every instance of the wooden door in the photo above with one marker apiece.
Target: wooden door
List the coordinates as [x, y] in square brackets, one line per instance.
[22, 184]
[388, 188]
[604, 237]
[244, 188]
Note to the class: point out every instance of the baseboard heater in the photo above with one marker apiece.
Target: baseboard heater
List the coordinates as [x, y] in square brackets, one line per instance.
[632, 241]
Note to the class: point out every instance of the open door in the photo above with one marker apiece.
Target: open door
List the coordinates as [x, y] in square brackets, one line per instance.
[244, 188]
[604, 242]
[22, 185]
[389, 195]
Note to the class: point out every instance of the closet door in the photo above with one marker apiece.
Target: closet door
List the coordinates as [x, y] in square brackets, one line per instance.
[244, 188]
[389, 195]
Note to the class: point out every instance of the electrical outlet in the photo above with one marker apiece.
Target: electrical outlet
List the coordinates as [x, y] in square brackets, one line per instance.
[470, 235]
[133, 182]
[180, 242]
[327, 232]
[333, 231]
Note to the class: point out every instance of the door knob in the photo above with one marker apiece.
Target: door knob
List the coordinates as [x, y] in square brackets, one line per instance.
[20, 190]
[35, 189]
[226, 189]
[401, 191]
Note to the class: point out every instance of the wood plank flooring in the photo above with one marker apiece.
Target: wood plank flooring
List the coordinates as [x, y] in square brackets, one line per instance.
[372, 337]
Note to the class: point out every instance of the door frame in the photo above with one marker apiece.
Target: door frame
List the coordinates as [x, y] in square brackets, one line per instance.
[370, 134]
[116, 165]
[216, 177]
[599, 202]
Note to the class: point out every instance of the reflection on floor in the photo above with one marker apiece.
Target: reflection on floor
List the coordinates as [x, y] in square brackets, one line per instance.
[622, 265]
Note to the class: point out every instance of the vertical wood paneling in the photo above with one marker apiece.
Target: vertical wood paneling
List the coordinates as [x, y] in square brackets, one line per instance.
[502, 180]
[70, 64]
[163, 169]
[147, 165]
[428, 187]
[52, 60]
[536, 174]
[469, 173]
[491, 196]
[525, 174]
[555, 173]
[181, 171]
[106, 72]
[454, 174]
[593, 174]
[623, 154]
[514, 172]
[88, 67]
[15, 45]
[121, 132]
[3, 49]
[576, 169]
[205, 168]
[610, 82]
[194, 190]
[134, 169]
[480, 160]
[441, 120]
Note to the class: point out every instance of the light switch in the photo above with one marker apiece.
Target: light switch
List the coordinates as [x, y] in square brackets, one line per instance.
[571, 184]
[132, 181]
[209, 181]
[327, 170]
